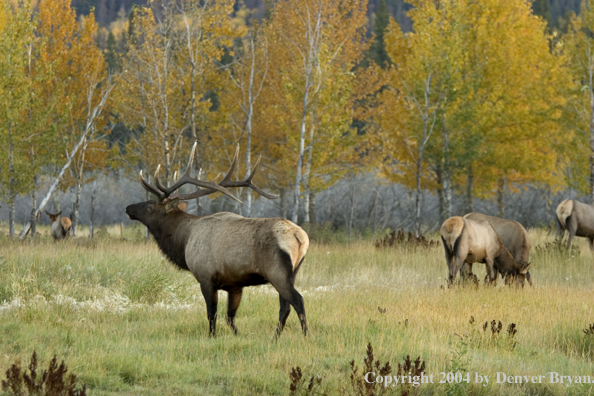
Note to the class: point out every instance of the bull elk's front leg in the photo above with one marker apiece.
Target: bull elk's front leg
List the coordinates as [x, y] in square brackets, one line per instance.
[211, 297]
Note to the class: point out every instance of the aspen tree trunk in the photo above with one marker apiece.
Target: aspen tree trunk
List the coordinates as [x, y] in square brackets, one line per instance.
[11, 216]
[57, 205]
[92, 214]
[249, 115]
[79, 181]
[301, 155]
[590, 75]
[146, 231]
[33, 218]
[440, 194]
[500, 197]
[306, 180]
[312, 208]
[469, 183]
[311, 61]
[446, 174]
[11, 184]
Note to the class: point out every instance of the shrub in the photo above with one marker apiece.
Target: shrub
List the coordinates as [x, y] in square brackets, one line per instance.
[50, 383]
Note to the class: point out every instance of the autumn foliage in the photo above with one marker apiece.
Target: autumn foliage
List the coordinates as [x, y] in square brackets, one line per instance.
[476, 99]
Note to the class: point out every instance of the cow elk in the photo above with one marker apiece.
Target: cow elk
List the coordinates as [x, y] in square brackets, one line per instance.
[60, 226]
[225, 251]
[577, 218]
[513, 235]
[469, 241]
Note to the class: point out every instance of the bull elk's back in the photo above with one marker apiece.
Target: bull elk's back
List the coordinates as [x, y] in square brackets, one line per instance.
[564, 211]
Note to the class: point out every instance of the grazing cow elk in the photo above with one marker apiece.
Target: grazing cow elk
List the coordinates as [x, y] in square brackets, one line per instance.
[469, 241]
[226, 251]
[514, 237]
[577, 218]
[60, 225]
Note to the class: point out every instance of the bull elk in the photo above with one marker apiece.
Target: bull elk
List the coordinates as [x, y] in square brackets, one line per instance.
[577, 218]
[60, 226]
[225, 251]
[469, 241]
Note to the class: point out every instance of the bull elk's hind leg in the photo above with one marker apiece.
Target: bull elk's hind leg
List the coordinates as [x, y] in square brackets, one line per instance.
[211, 297]
[232, 305]
[591, 240]
[283, 279]
[283, 314]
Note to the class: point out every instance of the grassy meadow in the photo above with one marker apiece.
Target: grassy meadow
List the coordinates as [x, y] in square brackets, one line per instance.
[126, 321]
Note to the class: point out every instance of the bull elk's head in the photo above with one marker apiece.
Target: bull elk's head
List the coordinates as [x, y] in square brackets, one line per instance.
[168, 198]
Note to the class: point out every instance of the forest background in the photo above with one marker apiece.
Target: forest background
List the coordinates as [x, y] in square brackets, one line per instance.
[368, 115]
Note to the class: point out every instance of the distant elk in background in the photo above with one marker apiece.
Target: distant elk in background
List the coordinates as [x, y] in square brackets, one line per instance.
[226, 251]
[577, 218]
[60, 225]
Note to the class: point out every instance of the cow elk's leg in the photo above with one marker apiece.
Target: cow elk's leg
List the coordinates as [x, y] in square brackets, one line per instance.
[591, 240]
[491, 272]
[571, 229]
[455, 268]
[211, 297]
[528, 278]
[232, 305]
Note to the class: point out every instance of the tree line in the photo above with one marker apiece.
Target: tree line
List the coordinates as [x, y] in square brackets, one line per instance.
[477, 98]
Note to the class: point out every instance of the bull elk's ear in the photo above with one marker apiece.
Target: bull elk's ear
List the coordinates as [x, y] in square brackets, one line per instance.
[171, 205]
[182, 206]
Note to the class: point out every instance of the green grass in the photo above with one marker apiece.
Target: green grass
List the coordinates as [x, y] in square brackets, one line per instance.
[127, 322]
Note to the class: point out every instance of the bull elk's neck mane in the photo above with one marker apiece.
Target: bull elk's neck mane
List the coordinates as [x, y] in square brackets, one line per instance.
[172, 234]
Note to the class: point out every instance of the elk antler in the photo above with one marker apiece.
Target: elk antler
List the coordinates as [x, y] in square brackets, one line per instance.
[207, 187]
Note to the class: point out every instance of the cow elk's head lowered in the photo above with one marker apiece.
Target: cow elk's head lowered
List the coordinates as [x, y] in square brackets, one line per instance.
[60, 226]
[225, 251]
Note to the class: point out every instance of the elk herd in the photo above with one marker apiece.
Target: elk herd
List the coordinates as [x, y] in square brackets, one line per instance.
[228, 252]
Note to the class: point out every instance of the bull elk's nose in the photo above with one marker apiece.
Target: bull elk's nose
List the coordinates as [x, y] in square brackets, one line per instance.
[129, 212]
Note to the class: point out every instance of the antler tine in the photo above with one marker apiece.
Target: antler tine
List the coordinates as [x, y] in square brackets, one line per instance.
[150, 188]
[232, 167]
[248, 182]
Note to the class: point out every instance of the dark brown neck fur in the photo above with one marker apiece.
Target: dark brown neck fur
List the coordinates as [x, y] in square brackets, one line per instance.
[171, 234]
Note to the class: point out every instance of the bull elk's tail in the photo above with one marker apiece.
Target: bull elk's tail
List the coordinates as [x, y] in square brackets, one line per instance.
[66, 224]
[292, 240]
[564, 211]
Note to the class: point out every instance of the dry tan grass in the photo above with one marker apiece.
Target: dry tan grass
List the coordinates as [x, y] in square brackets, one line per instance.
[128, 322]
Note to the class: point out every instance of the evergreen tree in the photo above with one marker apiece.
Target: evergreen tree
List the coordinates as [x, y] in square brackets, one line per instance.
[543, 10]
[377, 51]
[111, 57]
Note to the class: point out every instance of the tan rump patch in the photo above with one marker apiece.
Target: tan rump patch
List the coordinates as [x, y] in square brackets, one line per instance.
[66, 223]
[564, 210]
